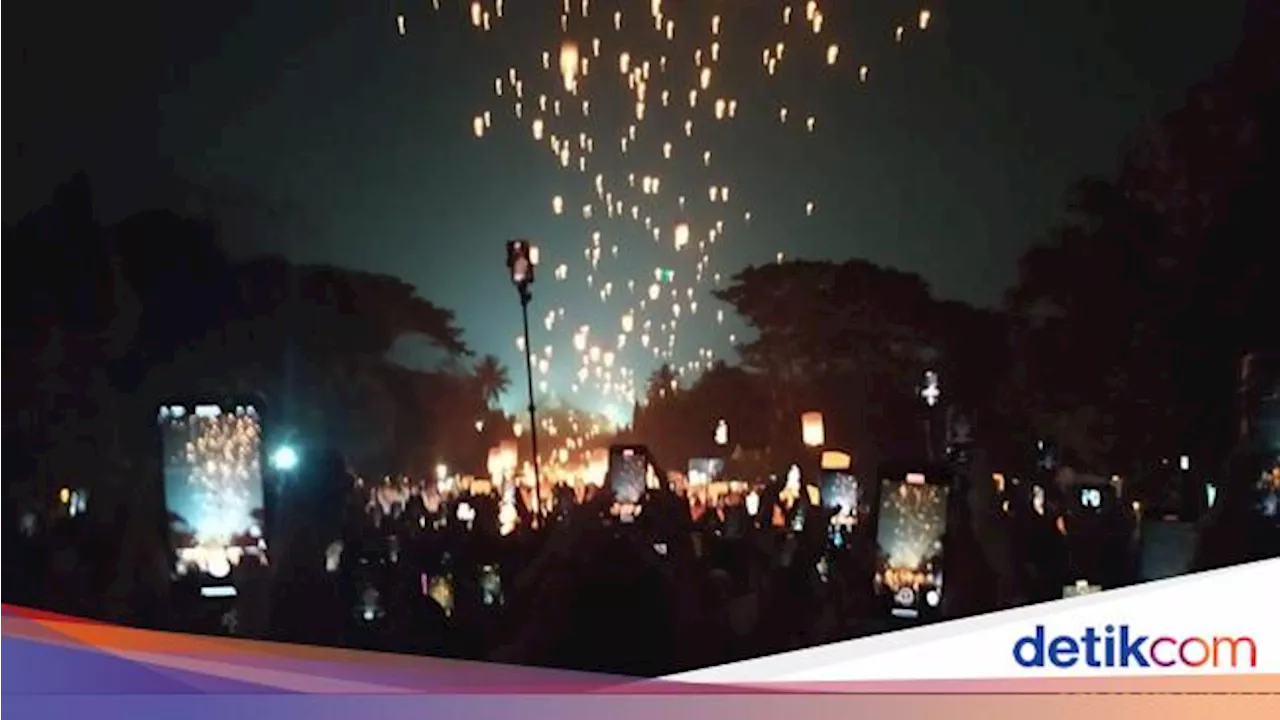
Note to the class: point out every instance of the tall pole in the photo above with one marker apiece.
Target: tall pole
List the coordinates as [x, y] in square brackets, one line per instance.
[525, 296]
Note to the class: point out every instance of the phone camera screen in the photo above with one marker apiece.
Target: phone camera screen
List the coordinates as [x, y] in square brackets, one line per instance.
[1091, 498]
[839, 492]
[627, 471]
[213, 486]
[491, 585]
[440, 589]
[909, 545]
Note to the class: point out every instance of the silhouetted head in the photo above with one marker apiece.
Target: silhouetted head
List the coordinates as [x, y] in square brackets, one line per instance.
[620, 615]
[319, 492]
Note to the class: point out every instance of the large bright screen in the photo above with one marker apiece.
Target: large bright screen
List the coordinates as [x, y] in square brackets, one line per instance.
[212, 484]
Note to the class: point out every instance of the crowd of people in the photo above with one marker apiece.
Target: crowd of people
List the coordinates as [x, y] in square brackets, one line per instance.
[677, 588]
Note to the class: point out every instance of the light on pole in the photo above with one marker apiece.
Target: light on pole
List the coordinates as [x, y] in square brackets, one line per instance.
[522, 258]
[931, 393]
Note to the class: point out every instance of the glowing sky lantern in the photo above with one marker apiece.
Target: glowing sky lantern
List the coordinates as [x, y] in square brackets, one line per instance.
[570, 63]
[682, 235]
[657, 63]
[835, 460]
[812, 431]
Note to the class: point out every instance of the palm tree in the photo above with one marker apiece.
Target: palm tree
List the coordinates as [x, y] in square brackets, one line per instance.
[492, 379]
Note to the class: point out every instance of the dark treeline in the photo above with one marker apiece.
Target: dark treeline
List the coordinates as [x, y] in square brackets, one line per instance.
[108, 322]
[1121, 339]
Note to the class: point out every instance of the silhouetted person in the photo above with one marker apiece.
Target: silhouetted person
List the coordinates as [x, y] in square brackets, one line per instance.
[310, 601]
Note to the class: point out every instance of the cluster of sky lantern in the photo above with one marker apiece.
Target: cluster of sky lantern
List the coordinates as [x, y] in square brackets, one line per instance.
[632, 108]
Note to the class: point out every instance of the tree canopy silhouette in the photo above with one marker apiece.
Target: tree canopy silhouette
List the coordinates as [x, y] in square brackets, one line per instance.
[1134, 315]
[114, 320]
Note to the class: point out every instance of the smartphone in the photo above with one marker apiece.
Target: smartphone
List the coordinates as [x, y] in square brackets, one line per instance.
[839, 492]
[910, 543]
[440, 589]
[491, 585]
[213, 485]
[1090, 498]
[1093, 505]
[628, 469]
[704, 471]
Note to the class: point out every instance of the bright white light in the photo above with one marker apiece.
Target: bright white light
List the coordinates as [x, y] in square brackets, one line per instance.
[219, 565]
[722, 433]
[931, 391]
[285, 458]
[1184, 463]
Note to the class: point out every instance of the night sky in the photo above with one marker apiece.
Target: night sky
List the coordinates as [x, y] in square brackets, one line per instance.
[948, 161]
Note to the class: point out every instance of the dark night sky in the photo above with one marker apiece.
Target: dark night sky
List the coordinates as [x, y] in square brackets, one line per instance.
[949, 162]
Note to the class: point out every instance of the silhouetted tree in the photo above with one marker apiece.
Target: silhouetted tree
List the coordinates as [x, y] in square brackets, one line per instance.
[1133, 318]
[492, 378]
[852, 340]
